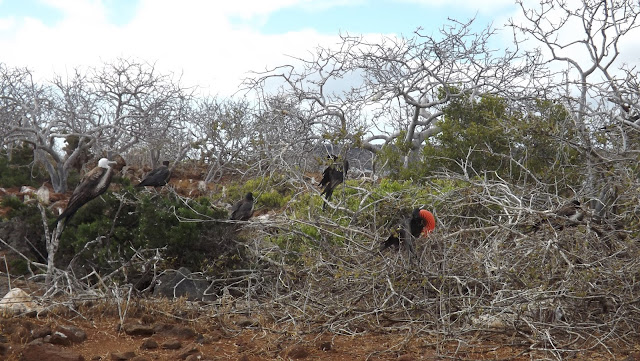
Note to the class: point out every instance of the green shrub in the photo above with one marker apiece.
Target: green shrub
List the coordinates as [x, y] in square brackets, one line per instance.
[19, 170]
[185, 229]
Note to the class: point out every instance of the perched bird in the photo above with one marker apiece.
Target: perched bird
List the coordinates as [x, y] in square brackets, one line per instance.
[157, 177]
[332, 176]
[571, 210]
[400, 236]
[567, 214]
[92, 185]
[421, 222]
[243, 209]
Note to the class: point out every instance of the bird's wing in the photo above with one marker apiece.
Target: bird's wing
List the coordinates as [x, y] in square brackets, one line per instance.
[153, 174]
[566, 211]
[245, 210]
[326, 176]
[236, 210]
[85, 191]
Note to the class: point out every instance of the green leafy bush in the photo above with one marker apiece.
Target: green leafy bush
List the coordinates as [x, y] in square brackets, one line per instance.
[17, 169]
[185, 229]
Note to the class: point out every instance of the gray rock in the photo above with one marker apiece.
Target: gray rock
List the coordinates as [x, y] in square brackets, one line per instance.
[172, 344]
[189, 350]
[58, 338]
[133, 329]
[181, 283]
[48, 352]
[149, 344]
[122, 356]
[73, 333]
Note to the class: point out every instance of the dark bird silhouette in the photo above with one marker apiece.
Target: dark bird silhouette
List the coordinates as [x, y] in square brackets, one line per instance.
[93, 184]
[568, 214]
[157, 177]
[243, 209]
[572, 210]
[405, 232]
[422, 221]
[332, 176]
[400, 236]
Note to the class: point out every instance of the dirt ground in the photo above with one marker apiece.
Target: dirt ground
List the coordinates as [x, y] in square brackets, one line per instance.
[107, 340]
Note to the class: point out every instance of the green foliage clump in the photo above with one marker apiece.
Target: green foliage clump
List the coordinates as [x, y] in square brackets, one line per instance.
[29, 216]
[476, 131]
[273, 199]
[269, 192]
[484, 135]
[16, 168]
[18, 266]
[185, 229]
[14, 203]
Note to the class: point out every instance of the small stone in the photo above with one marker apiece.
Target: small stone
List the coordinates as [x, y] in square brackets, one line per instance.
[189, 350]
[183, 332]
[138, 330]
[149, 344]
[297, 352]
[172, 344]
[73, 333]
[162, 327]
[122, 356]
[325, 346]
[59, 338]
[41, 332]
[48, 352]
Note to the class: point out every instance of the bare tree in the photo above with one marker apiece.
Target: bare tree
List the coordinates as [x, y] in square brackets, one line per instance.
[112, 109]
[223, 134]
[140, 105]
[393, 88]
[581, 42]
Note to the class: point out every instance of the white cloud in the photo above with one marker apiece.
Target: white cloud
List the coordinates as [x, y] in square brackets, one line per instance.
[191, 37]
[482, 6]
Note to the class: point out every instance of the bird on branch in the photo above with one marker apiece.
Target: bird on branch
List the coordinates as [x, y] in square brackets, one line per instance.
[332, 176]
[243, 209]
[92, 185]
[157, 177]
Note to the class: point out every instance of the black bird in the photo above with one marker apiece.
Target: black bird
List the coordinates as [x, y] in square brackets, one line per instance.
[416, 223]
[400, 236]
[92, 185]
[157, 177]
[332, 176]
[569, 214]
[421, 221]
[243, 209]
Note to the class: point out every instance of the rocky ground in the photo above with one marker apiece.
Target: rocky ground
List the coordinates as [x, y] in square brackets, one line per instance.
[163, 330]
[148, 338]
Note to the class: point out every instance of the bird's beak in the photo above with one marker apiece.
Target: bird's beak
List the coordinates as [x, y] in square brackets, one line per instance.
[112, 162]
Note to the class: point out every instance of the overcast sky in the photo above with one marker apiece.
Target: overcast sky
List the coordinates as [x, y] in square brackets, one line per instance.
[213, 43]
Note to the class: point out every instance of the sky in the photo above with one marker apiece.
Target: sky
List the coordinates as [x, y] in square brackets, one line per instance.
[212, 44]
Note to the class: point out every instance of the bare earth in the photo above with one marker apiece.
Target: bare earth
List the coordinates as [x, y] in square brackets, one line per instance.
[211, 339]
